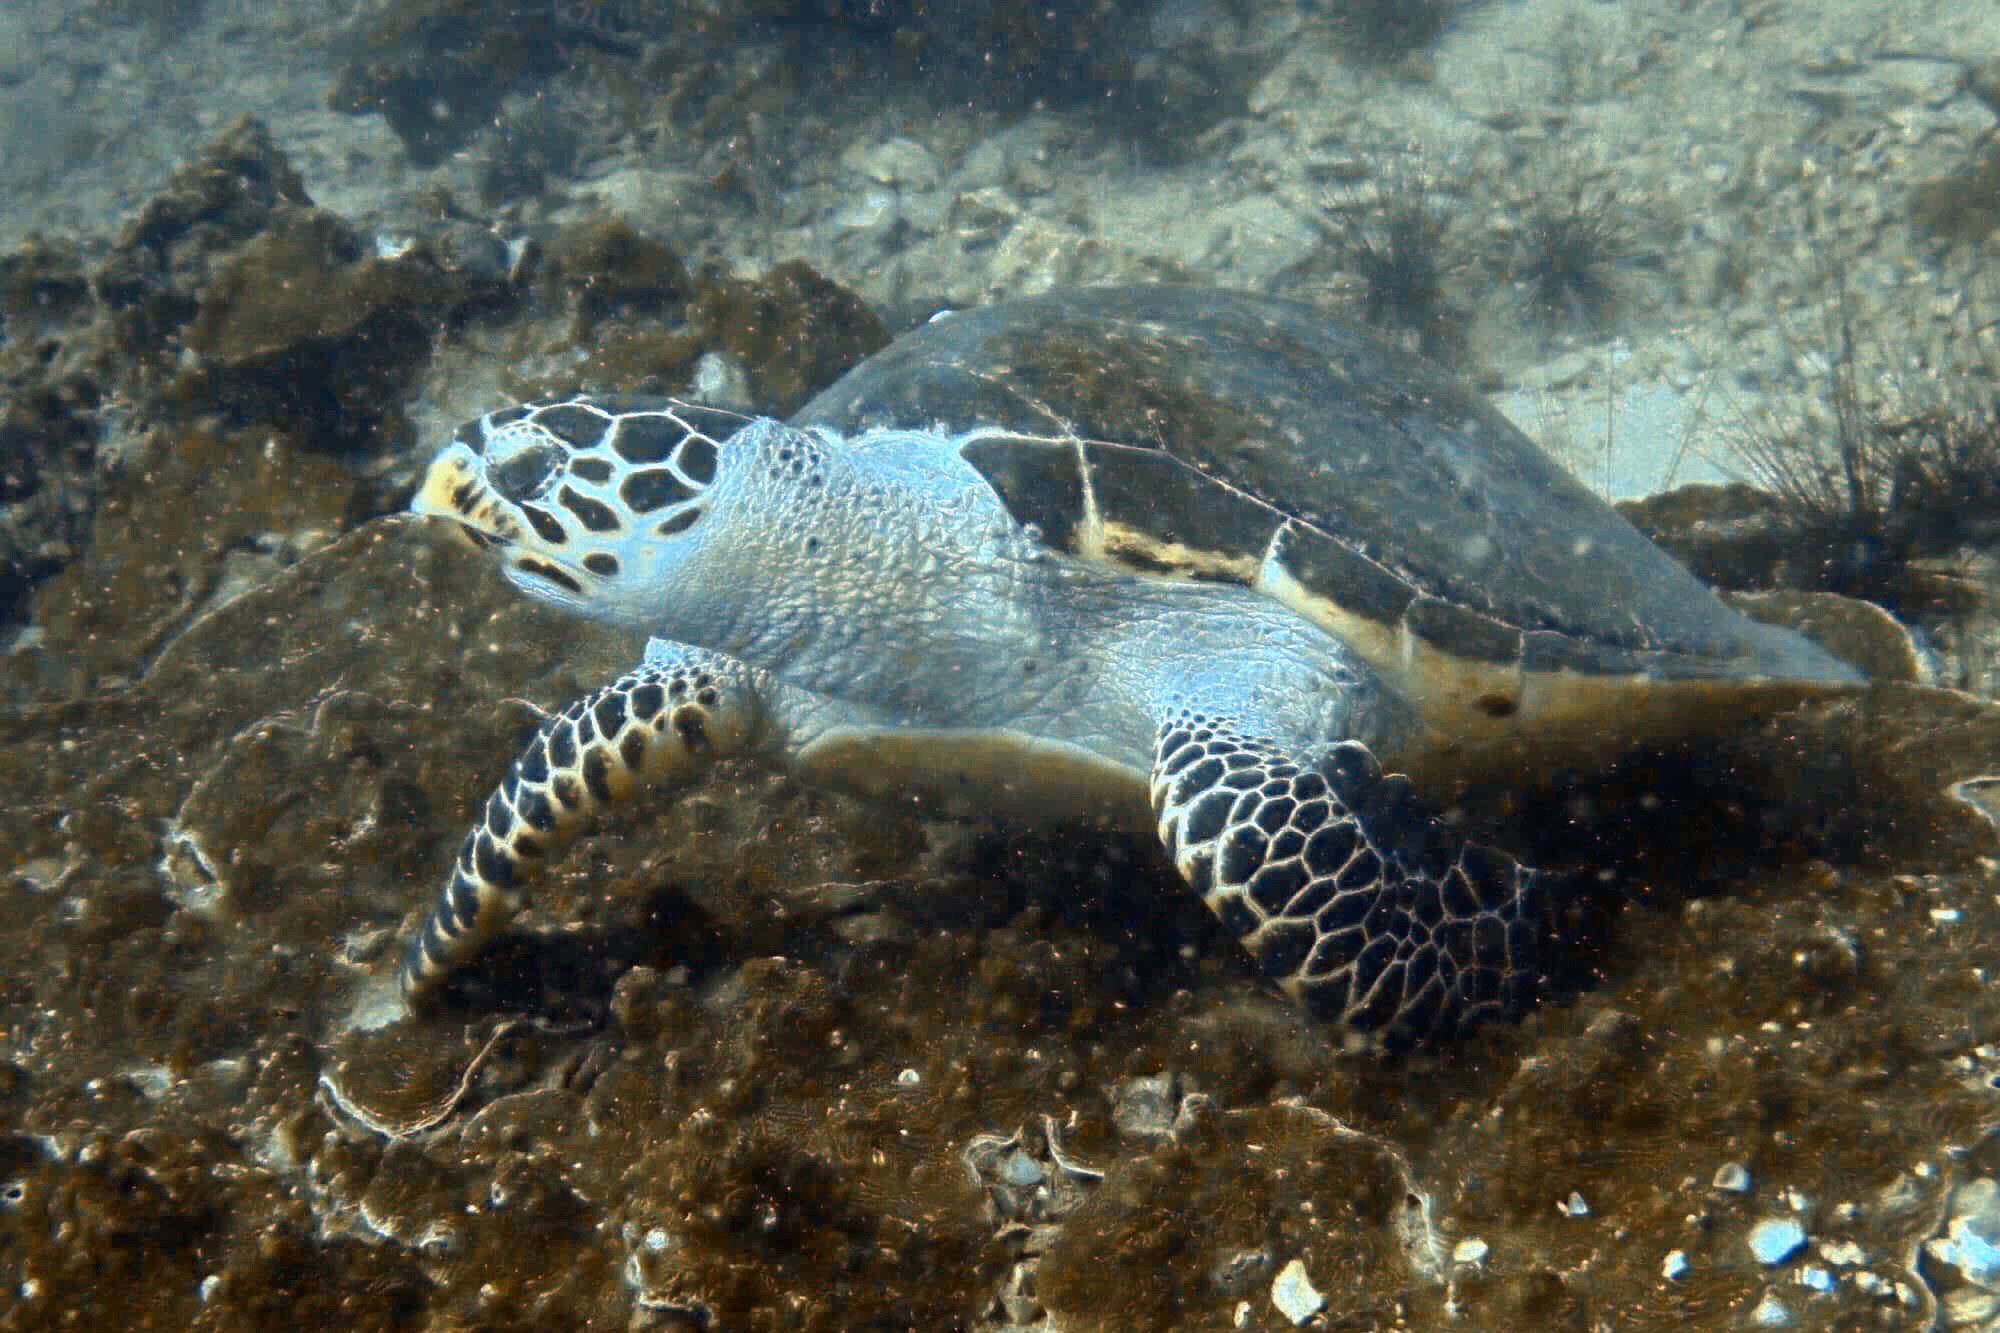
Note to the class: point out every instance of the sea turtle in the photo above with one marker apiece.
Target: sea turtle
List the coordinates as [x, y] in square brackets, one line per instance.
[1186, 560]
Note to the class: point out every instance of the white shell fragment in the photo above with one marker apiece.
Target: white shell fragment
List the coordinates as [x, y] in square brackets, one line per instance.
[1771, 1312]
[1776, 1239]
[1972, 1241]
[1294, 1294]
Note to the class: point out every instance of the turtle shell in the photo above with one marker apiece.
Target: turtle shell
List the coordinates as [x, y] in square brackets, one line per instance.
[1199, 434]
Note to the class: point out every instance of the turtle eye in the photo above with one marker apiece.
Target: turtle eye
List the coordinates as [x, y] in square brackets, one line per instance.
[526, 474]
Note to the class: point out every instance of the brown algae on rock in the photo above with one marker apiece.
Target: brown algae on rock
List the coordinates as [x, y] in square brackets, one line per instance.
[759, 1035]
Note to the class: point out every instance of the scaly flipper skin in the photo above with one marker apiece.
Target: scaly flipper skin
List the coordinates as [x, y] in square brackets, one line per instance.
[1344, 889]
[668, 719]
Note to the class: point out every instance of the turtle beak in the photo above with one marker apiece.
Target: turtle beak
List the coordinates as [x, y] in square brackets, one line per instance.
[455, 487]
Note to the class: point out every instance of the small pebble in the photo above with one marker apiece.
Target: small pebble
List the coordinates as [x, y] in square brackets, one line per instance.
[1021, 1169]
[1144, 1107]
[903, 162]
[1574, 1205]
[1471, 1250]
[1239, 1271]
[1733, 1177]
[1972, 1254]
[1771, 1312]
[1675, 1265]
[1970, 1307]
[722, 380]
[1776, 1239]
[1294, 1294]
[867, 212]
[1974, 1233]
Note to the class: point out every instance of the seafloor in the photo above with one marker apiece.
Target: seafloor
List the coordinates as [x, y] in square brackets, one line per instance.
[770, 1059]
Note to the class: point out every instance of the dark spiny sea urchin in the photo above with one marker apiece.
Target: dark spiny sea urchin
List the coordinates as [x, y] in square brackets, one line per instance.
[1383, 32]
[1400, 247]
[1895, 472]
[1566, 256]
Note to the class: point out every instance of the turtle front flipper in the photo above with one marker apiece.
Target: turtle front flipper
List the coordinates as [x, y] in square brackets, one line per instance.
[668, 719]
[1358, 901]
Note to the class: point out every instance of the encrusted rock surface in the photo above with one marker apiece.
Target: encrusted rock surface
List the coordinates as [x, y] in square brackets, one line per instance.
[763, 1055]
[767, 1058]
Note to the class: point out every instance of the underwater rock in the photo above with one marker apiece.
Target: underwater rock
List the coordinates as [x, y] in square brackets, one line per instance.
[209, 206]
[438, 70]
[795, 330]
[738, 1077]
[769, 1050]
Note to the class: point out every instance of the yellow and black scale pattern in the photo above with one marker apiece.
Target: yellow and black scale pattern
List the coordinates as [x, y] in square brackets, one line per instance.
[657, 720]
[1350, 895]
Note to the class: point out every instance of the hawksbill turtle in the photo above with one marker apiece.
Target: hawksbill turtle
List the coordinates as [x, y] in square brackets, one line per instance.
[1184, 560]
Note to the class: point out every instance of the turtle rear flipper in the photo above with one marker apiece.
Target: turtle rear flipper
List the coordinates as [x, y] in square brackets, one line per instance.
[1359, 902]
[668, 719]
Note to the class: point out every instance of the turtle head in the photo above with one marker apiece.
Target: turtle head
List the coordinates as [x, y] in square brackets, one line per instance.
[594, 505]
